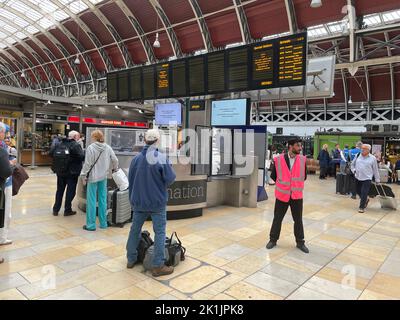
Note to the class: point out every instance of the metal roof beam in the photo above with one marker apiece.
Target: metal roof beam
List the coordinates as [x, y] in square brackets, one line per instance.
[242, 19]
[205, 33]
[369, 62]
[293, 27]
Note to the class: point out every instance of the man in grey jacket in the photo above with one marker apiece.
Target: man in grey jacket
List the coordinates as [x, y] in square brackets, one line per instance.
[365, 167]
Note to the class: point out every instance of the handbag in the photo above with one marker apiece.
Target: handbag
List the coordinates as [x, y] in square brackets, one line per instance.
[120, 179]
[19, 177]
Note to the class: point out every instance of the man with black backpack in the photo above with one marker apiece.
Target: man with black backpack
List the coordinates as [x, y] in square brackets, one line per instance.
[68, 157]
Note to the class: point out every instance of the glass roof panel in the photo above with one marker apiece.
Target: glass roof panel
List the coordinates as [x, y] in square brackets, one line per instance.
[46, 23]
[20, 35]
[60, 15]
[372, 20]
[77, 6]
[391, 16]
[32, 29]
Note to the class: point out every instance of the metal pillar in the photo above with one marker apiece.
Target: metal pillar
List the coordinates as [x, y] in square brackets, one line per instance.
[80, 120]
[33, 136]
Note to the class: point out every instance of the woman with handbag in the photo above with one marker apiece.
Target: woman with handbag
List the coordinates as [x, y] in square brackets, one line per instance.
[98, 160]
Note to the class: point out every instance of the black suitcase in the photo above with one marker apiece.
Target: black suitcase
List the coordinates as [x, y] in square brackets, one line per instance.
[351, 186]
[381, 190]
[341, 183]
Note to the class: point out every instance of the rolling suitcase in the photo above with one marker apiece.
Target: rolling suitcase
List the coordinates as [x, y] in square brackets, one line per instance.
[119, 208]
[386, 201]
[341, 181]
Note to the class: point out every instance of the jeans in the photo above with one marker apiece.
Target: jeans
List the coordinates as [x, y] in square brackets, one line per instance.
[296, 207]
[159, 225]
[7, 214]
[70, 183]
[92, 191]
[363, 190]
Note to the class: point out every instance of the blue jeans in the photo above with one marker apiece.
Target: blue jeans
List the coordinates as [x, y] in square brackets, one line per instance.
[159, 224]
[93, 190]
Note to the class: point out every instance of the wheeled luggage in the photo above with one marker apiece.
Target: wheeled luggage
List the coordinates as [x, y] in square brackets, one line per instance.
[387, 202]
[341, 183]
[119, 208]
[384, 175]
[373, 191]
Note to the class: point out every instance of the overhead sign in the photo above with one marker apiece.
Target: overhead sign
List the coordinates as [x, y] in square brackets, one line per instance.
[46, 116]
[198, 105]
[105, 122]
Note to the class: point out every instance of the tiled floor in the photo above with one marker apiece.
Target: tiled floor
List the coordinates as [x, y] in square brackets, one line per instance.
[353, 256]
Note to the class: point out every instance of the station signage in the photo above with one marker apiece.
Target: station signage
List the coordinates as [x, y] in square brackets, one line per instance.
[105, 122]
[187, 192]
[45, 116]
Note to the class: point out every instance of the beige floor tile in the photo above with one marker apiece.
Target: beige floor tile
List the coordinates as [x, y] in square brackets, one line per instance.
[19, 265]
[222, 296]
[385, 284]
[214, 260]
[249, 264]
[93, 246]
[154, 287]
[18, 244]
[371, 295]
[182, 267]
[12, 294]
[112, 283]
[114, 251]
[131, 293]
[56, 255]
[245, 291]
[38, 273]
[339, 277]
[197, 279]
[365, 261]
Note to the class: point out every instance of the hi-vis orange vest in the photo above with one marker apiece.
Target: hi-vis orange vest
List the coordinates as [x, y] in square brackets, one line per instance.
[289, 183]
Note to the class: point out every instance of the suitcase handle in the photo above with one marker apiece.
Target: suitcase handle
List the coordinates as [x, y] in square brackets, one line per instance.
[383, 189]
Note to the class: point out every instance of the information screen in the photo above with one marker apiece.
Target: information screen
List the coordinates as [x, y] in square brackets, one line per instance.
[123, 86]
[216, 72]
[168, 114]
[148, 83]
[262, 63]
[178, 75]
[112, 87]
[229, 112]
[135, 84]
[238, 69]
[163, 82]
[196, 76]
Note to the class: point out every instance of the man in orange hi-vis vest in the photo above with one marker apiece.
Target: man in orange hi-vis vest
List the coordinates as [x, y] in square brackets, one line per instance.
[289, 172]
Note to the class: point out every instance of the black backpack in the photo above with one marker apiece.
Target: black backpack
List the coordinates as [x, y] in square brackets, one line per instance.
[144, 243]
[61, 159]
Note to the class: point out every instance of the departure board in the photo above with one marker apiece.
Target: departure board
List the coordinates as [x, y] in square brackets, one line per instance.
[262, 61]
[163, 83]
[274, 63]
[178, 76]
[148, 83]
[216, 72]
[112, 87]
[196, 76]
[292, 62]
[123, 86]
[135, 84]
[238, 69]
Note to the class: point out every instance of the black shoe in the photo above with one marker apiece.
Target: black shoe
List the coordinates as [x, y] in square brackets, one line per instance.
[130, 265]
[354, 197]
[303, 248]
[55, 213]
[69, 213]
[86, 228]
[270, 245]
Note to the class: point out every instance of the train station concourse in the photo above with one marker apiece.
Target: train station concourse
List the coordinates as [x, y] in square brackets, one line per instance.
[199, 150]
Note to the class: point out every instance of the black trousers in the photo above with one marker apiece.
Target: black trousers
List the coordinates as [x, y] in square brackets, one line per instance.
[363, 190]
[62, 183]
[323, 172]
[296, 207]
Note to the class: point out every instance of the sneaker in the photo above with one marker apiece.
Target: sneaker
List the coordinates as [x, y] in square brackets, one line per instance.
[162, 271]
[361, 210]
[303, 248]
[130, 265]
[270, 245]
[69, 213]
[87, 229]
[6, 243]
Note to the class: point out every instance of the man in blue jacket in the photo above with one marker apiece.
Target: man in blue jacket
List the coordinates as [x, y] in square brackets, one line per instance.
[150, 174]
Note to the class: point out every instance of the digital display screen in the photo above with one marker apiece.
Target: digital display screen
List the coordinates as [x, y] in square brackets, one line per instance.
[148, 83]
[123, 86]
[262, 61]
[178, 75]
[163, 82]
[135, 84]
[229, 112]
[112, 87]
[238, 69]
[168, 114]
[196, 76]
[216, 72]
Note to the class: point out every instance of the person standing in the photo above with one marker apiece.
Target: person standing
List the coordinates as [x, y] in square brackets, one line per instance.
[344, 158]
[98, 160]
[335, 159]
[67, 157]
[289, 172]
[365, 167]
[354, 152]
[5, 173]
[150, 174]
[324, 160]
[7, 190]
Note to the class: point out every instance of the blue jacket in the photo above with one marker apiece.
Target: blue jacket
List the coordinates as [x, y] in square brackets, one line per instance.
[150, 174]
[324, 159]
[353, 153]
[346, 155]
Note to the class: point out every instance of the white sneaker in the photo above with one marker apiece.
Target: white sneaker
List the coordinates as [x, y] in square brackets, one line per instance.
[6, 242]
[361, 210]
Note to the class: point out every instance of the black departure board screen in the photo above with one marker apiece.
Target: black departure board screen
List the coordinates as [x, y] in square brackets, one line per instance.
[292, 62]
[178, 76]
[148, 82]
[262, 66]
[274, 63]
[112, 87]
[163, 82]
[216, 72]
[123, 85]
[196, 75]
[135, 84]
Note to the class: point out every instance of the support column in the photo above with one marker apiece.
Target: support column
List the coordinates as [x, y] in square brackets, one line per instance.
[33, 166]
[80, 120]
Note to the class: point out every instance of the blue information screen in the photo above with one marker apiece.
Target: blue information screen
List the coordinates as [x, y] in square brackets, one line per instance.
[168, 114]
[229, 112]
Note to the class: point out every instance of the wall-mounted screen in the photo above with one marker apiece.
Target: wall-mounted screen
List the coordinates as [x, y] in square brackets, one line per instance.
[230, 112]
[168, 114]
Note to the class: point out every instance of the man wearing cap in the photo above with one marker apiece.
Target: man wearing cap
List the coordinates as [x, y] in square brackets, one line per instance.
[289, 173]
[150, 174]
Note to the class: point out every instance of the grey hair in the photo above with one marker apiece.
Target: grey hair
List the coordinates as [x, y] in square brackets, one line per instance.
[3, 127]
[368, 146]
[359, 144]
[72, 134]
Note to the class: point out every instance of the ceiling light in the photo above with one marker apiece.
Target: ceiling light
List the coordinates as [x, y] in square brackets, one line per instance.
[49, 102]
[316, 4]
[156, 43]
[350, 100]
[140, 111]
[69, 81]
[22, 74]
[77, 61]
[362, 105]
[116, 107]
[86, 106]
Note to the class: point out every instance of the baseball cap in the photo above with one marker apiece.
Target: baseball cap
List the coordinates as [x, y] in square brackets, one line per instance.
[152, 135]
